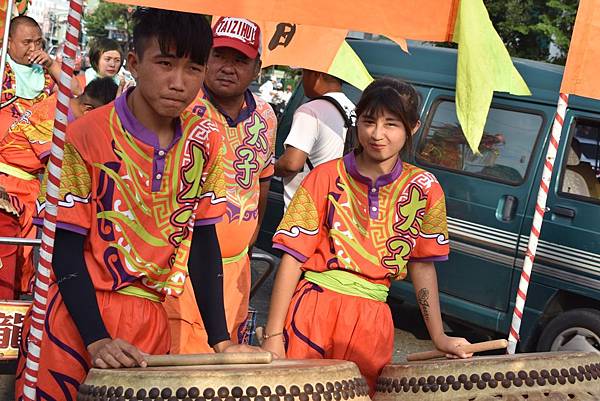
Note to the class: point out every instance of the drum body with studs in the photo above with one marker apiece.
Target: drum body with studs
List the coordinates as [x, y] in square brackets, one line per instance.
[283, 380]
[532, 377]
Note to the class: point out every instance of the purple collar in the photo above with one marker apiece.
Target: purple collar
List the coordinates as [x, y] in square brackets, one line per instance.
[245, 113]
[70, 116]
[351, 168]
[135, 128]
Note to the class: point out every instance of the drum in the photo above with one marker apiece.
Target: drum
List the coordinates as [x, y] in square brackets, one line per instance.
[283, 380]
[532, 377]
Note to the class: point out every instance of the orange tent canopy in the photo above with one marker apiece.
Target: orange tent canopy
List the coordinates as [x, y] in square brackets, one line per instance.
[394, 19]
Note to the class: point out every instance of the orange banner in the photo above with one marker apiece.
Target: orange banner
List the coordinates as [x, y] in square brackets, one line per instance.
[581, 72]
[431, 20]
[296, 45]
[282, 41]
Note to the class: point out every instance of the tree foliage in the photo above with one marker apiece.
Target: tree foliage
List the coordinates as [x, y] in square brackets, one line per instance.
[535, 29]
[109, 14]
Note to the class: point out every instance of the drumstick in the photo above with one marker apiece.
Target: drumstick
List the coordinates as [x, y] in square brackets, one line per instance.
[209, 359]
[471, 348]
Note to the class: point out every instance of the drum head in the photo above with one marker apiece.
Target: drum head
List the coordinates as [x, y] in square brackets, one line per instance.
[539, 376]
[283, 380]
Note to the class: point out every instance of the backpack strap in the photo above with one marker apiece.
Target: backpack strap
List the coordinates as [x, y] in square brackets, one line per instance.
[347, 124]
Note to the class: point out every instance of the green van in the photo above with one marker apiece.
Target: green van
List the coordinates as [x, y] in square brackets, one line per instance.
[491, 199]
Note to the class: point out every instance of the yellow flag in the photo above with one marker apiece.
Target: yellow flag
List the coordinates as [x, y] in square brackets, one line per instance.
[484, 66]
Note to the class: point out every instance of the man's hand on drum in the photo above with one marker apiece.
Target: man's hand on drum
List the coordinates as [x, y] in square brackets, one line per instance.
[229, 346]
[451, 346]
[275, 346]
[108, 353]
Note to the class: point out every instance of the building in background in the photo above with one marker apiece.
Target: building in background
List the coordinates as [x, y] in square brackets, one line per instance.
[52, 17]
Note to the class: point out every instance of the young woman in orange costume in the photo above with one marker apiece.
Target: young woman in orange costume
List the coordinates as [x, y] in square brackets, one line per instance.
[355, 224]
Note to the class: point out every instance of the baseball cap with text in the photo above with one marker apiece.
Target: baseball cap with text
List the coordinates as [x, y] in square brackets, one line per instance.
[238, 33]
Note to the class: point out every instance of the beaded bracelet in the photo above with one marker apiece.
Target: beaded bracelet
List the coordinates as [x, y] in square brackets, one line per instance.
[266, 336]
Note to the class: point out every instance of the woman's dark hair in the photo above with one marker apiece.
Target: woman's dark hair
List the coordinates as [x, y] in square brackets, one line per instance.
[190, 34]
[394, 96]
[103, 90]
[101, 46]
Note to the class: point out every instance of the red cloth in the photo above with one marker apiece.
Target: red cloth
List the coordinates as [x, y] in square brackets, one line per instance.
[9, 227]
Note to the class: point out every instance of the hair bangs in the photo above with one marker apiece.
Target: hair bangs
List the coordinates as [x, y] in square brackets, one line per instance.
[377, 103]
[189, 35]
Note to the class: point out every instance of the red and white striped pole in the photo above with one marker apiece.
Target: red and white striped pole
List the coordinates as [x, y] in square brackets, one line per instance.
[42, 282]
[538, 219]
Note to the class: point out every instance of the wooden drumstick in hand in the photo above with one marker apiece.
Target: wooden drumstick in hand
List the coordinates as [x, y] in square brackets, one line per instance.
[471, 348]
[210, 359]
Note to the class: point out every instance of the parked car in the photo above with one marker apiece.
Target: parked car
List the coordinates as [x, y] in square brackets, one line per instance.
[491, 199]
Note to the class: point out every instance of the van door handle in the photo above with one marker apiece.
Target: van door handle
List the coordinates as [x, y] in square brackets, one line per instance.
[563, 211]
[507, 206]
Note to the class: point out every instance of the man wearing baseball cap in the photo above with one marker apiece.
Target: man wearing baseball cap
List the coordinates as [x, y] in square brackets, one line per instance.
[249, 124]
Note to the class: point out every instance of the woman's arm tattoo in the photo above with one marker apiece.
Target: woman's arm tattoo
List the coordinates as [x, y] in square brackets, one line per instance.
[423, 300]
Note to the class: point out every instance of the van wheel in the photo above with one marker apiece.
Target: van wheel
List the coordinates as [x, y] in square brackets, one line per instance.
[575, 330]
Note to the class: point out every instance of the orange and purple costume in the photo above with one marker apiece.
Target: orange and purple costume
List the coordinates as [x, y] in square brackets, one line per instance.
[353, 236]
[137, 204]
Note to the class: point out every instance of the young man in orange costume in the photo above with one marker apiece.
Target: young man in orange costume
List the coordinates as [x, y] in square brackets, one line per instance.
[141, 192]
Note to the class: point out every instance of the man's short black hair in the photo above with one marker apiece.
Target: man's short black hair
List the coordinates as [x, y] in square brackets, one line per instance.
[103, 90]
[16, 22]
[190, 34]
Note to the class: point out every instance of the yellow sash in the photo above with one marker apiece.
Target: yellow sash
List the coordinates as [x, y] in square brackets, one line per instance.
[348, 283]
[16, 172]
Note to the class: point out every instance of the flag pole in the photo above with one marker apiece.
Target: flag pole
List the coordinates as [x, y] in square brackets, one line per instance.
[9, 10]
[42, 282]
[538, 219]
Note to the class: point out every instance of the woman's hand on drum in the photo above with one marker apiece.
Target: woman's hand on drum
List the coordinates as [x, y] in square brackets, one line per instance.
[451, 346]
[108, 353]
[275, 346]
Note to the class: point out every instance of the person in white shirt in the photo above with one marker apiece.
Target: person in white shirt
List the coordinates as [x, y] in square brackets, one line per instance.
[267, 89]
[318, 131]
[287, 94]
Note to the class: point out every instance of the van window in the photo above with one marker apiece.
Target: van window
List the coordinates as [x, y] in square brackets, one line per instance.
[505, 150]
[581, 174]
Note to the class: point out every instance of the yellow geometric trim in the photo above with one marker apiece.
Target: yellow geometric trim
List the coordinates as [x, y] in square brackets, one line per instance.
[75, 178]
[301, 213]
[434, 221]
